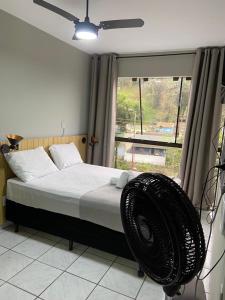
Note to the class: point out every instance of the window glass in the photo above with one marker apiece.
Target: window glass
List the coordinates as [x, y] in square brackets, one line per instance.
[149, 109]
[153, 110]
[147, 158]
[159, 106]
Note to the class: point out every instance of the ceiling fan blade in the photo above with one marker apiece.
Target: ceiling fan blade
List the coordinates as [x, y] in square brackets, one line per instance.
[57, 10]
[126, 23]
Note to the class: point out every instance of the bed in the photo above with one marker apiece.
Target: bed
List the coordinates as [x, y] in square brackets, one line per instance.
[77, 203]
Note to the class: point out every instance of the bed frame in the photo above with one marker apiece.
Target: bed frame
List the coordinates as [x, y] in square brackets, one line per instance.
[70, 228]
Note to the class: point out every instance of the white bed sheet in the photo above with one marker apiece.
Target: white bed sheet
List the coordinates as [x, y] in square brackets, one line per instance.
[61, 191]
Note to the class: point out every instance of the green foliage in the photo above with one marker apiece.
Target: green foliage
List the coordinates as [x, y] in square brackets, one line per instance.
[159, 101]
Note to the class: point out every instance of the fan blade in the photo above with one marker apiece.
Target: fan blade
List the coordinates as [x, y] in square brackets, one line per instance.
[57, 10]
[127, 23]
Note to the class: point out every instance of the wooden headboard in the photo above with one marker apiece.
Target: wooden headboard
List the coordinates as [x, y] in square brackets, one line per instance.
[6, 173]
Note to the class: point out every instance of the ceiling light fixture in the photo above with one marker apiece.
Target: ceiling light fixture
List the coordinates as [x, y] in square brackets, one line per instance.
[86, 31]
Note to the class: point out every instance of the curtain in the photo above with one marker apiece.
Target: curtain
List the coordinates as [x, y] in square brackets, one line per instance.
[203, 122]
[102, 113]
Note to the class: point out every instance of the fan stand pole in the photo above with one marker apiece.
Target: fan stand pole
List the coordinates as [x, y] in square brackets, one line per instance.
[189, 292]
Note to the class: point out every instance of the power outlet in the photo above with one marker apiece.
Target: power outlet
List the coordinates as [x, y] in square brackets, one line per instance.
[63, 127]
[63, 124]
[222, 295]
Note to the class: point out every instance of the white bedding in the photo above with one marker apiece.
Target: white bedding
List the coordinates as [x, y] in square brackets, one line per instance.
[82, 191]
[61, 191]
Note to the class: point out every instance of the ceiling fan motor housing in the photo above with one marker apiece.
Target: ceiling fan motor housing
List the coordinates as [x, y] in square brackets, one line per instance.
[163, 230]
[86, 26]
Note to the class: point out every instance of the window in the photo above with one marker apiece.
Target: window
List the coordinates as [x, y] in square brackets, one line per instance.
[150, 123]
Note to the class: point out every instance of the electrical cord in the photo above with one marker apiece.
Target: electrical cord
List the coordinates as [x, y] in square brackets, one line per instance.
[206, 196]
[203, 192]
[215, 136]
[214, 209]
[213, 266]
[213, 205]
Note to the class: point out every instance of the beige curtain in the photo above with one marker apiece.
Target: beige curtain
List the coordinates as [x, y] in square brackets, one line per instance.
[204, 116]
[102, 113]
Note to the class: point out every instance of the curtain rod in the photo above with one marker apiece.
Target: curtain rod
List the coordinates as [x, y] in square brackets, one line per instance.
[145, 55]
[155, 55]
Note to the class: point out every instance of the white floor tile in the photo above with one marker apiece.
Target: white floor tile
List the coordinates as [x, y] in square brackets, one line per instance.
[100, 253]
[60, 257]
[34, 246]
[1, 282]
[10, 239]
[68, 287]
[11, 263]
[80, 246]
[9, 292]
[10, 227]
[27, 229]
[122, 279]
[3, 250]
[90, 267]
[101, 293]
[151, 291]
[48, 236]
[35, 278]
[75, 245]
[127, 262]
[22, 230]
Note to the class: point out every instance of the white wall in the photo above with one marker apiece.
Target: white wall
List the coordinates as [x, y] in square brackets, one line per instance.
[42, 81]
[218, 246]
[216, 280]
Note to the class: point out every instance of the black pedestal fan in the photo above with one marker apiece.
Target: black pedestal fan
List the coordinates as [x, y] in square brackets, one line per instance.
[163, 231]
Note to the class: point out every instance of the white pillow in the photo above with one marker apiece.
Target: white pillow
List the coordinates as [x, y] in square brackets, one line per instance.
[65, 155]
[30, 164]
[132, 175]
[122, 181]
[114, 180]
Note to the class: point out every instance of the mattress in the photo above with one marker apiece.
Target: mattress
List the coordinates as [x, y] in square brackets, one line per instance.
[102, 207]
[82, 191]
[61, 191]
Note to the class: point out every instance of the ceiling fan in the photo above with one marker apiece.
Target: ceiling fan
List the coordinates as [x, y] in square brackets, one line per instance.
[85, 30]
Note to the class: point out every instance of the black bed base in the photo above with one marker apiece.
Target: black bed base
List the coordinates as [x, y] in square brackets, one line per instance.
[70, 228]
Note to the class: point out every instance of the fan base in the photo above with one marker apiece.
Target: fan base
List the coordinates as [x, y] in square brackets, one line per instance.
[189, 292]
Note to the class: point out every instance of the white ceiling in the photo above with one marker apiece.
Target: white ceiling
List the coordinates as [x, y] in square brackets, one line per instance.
[169, 25]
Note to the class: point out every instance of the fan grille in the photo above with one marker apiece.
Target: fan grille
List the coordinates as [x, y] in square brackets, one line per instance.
[163, 229]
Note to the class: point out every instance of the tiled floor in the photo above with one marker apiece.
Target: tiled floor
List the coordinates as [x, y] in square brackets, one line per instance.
[35, 265]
